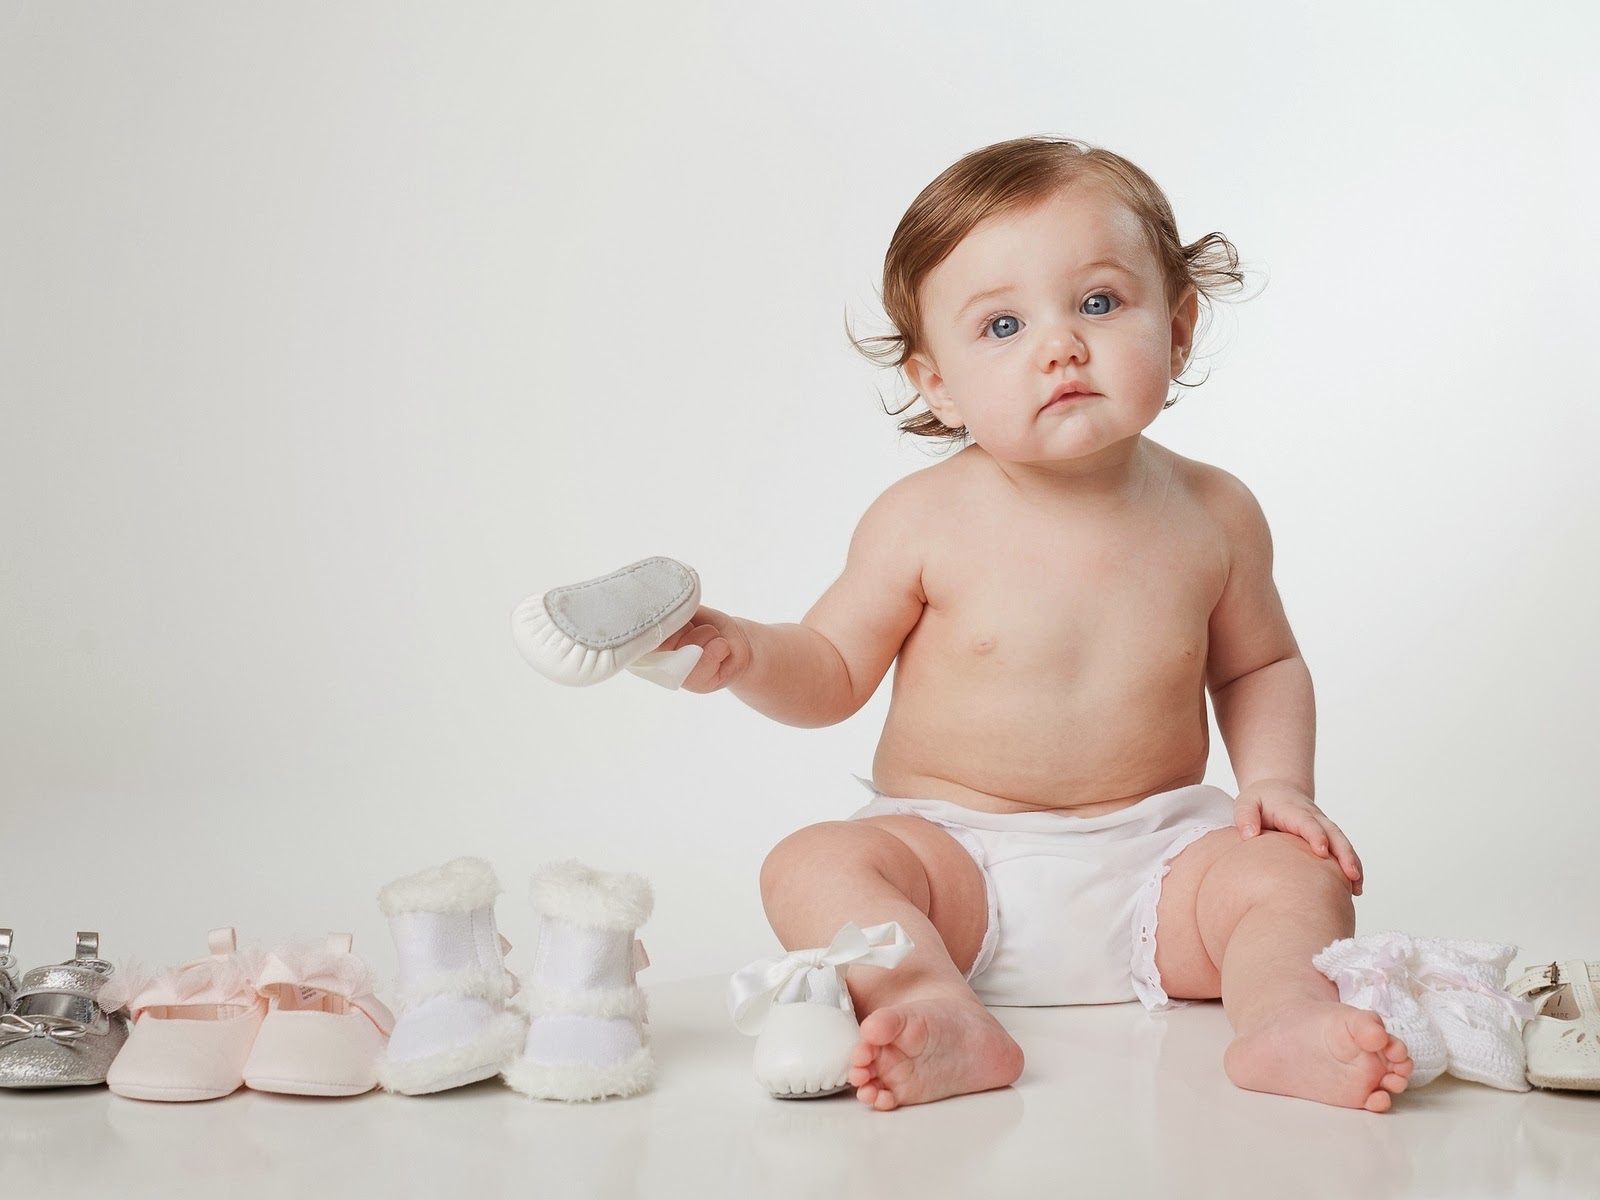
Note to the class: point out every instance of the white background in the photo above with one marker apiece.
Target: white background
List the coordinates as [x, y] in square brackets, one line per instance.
[330, 331]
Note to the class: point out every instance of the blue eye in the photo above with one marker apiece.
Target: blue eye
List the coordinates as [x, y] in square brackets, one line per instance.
[1010, 331]
[1107, 297]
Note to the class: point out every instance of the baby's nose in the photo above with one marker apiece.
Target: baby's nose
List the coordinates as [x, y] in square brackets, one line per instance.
[1061, 344]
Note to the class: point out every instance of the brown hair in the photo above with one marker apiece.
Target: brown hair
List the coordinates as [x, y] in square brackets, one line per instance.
[1003, 178]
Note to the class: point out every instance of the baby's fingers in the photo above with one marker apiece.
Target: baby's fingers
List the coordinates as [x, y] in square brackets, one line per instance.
[1247, 814]
[681, 636]
[707, 675]
[1345, 854]
[1303, 823]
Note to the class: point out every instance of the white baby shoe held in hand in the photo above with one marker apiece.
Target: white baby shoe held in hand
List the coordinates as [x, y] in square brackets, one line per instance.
[452, 1026]
[800, 1010]
[1374, 972]
[1462, 989]
[586, 1035]
[1563, 1033]
[584, 633]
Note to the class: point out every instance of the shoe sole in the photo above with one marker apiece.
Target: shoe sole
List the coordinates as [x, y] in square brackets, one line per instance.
[1565, 1085]
[460, 1079]
[292, 1087]
[136, 1091]
[845, 1087]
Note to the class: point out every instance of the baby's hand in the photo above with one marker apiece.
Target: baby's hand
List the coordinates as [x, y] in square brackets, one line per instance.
[1274, 804]
[725, 649]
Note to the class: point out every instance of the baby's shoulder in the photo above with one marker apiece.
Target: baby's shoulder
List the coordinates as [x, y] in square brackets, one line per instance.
[1220, 495]
[941, 483]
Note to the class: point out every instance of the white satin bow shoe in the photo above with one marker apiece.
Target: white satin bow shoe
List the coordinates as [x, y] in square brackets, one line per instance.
[800, 1010]
[586, 632]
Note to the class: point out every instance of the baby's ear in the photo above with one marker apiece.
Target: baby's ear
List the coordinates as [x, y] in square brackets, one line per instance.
[1184, 317]
[930, 386]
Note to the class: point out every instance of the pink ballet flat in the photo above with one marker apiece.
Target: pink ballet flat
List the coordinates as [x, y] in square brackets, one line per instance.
[193, 1026]
[324, 1030]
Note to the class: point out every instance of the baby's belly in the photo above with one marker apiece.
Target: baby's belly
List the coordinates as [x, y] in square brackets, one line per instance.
[1090, 732]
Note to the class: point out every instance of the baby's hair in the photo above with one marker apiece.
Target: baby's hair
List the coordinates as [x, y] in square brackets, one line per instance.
[1003, 178]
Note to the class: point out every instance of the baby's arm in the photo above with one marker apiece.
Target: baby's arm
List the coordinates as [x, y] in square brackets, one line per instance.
[1261, 689]
[822, 670]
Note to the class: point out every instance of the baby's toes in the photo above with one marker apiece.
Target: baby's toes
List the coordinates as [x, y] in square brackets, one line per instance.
[883, 1027]
[1367, 1031]
[1397, 1054]
[863, 1055]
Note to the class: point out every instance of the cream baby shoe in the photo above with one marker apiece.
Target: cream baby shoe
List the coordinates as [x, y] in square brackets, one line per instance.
[193, 1025]
[586, 1033]
[56, 1033]
[1374, 972]
[586, 632]
[324, 1030]
[800, 1009]
[453, 1026]
[1563, 1031]
[1462, 990]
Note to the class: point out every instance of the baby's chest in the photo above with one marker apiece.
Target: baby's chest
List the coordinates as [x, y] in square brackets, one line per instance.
[1077, 604]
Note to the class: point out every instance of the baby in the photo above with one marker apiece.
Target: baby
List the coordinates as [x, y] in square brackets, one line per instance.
[1060, 595]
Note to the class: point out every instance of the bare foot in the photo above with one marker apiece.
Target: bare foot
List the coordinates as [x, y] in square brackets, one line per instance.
[928, 1049]
[1322, 1050]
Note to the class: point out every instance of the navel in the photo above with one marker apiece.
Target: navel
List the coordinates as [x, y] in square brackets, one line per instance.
[984, 645]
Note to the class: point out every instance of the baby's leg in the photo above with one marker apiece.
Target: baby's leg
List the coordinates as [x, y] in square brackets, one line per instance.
[924, 1035]
[1243, 918]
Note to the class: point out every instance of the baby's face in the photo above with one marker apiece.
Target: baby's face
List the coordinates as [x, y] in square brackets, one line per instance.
[1075, 294]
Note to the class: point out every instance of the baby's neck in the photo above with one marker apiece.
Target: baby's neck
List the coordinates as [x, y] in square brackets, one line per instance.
[1114, 478]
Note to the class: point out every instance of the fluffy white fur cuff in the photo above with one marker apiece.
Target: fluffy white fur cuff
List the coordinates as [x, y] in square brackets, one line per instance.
[458, 886]
[572, 892]
[478, 1058]
[496, 988]
[576, 1082]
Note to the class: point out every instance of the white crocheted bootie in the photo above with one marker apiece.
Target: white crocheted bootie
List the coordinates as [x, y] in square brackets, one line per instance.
[1463, 990]
[800, 1010]
[586, 1036]
[452, 1025]
[1375, 972]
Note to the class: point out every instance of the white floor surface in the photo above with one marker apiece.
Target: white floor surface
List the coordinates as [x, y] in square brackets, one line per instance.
[1115, 1102]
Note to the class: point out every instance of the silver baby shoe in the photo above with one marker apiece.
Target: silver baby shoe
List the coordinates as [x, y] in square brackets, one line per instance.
[10, 983]
[55, 1034]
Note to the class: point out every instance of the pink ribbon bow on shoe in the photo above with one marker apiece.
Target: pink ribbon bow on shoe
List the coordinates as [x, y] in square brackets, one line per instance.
[193, 1025]
[324, 1030]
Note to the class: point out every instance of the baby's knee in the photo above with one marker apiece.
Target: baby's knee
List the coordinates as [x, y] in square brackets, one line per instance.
[1282, 868]
[821, 850]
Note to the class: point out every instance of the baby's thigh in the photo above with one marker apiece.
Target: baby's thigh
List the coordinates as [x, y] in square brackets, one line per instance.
[1186, 968]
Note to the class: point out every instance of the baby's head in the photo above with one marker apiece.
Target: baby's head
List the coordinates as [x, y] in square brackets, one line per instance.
[1038, 222]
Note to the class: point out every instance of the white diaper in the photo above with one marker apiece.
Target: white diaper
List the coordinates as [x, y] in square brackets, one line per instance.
[1072, 900]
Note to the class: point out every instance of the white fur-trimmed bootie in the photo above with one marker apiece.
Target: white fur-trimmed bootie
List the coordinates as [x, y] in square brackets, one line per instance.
[453, 1026]
[586, 1031]
[801, 1011]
